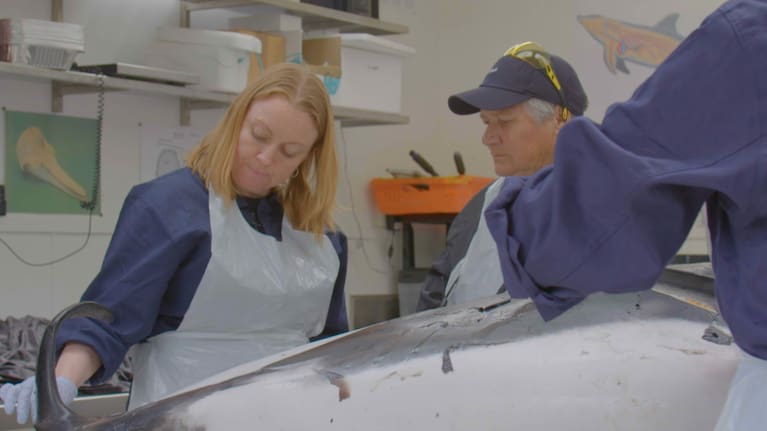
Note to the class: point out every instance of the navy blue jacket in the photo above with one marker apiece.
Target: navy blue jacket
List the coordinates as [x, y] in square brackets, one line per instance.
[156, 259]
[621, 196]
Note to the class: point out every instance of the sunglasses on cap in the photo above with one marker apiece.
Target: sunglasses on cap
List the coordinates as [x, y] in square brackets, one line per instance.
[534, 55]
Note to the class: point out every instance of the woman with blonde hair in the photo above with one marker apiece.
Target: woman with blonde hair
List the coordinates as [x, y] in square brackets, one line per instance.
[230, 259]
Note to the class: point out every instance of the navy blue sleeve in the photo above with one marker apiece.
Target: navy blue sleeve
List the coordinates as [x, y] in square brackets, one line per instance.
[151, 270]
[337, 321]
[622, 196]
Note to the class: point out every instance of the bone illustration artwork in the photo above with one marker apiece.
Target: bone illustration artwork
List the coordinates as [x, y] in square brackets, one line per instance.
[38, 157]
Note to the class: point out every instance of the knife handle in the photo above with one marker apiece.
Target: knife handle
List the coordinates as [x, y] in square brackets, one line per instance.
[459, 166]
[423, 163]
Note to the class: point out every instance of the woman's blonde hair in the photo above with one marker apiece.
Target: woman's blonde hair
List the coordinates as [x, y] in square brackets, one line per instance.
[309, 196]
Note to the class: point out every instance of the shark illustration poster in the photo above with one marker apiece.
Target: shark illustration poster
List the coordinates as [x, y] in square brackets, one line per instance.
[616, 45]
[628, 42]
[50, 163]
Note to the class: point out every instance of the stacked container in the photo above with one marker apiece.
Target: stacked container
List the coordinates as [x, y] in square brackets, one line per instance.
[370, 69]
[220, 58]
[40, 43]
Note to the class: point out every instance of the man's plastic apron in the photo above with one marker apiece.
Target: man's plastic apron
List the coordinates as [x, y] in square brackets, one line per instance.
[258, 296]
[746, 406]
[478, 274]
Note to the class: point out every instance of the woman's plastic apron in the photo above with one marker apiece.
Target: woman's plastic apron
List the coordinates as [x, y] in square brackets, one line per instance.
[478, 274]
[258, 296]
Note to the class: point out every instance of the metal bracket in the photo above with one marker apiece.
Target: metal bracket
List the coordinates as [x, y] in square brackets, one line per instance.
[718, 333]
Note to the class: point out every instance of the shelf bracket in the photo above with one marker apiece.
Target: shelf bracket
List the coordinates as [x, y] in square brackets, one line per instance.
[57, 93]
[57, 97]
[184, 17]
[61, 89]
[57, 10]
[185, 111]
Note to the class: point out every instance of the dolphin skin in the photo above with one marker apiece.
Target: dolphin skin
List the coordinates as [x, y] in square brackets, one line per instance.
[658, 359]
[623, 41]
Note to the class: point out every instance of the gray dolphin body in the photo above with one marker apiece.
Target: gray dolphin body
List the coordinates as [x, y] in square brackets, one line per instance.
[658, 359]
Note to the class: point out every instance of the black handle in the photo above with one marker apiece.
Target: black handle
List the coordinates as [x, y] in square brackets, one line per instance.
[459, 163]
[423, 163]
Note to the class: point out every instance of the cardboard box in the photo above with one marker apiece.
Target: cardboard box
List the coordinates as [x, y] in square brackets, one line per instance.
[360, 70]
[272, 52]
[323, 56]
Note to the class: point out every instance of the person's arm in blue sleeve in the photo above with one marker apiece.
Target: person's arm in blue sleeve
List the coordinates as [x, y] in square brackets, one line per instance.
[337, 321]
[621, 197]
[141, 260]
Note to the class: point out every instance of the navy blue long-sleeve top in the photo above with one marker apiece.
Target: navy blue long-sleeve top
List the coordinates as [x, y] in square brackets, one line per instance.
[622, 196]
[156, 259]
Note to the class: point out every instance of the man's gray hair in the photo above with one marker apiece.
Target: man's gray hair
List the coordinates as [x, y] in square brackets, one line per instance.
[540, 110]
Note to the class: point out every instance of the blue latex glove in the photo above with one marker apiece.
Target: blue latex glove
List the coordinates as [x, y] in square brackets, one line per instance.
[22, 397]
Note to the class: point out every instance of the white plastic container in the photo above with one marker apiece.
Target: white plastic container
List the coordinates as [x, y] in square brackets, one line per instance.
[220, 58]
[371, 73]
[40, 43]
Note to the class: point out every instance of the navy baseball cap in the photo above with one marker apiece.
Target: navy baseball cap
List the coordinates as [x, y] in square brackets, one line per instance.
[511, 81]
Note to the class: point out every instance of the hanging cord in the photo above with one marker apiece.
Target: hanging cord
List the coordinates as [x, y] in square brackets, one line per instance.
[66, 256]
[90, 205]
[354, 213]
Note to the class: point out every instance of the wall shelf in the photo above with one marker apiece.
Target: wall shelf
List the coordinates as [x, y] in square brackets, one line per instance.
[313, 17]
[69, 82]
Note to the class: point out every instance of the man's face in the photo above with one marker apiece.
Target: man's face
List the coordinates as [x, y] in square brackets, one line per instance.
[519, 144]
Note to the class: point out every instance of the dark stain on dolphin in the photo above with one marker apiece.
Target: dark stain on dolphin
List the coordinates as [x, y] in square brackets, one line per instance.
[447, 364]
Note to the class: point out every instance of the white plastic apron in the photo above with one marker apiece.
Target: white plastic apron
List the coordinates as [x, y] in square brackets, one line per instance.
[478, 274]
[258, 296]
[746, 406]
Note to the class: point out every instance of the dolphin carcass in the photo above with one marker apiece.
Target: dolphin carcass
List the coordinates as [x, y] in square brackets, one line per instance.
[659, 359]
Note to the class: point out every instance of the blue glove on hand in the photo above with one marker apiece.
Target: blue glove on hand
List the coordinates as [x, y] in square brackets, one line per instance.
[22, 397]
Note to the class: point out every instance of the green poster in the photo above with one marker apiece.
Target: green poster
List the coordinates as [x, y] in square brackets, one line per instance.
[50, 163]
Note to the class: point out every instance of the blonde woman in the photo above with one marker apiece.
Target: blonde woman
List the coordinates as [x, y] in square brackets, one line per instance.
[225, 261]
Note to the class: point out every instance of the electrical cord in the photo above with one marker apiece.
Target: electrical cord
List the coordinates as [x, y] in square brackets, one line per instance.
[57, 260]
[90, 205]
[390, 251]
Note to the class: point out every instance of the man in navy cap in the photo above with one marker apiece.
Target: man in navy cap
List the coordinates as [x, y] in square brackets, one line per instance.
[524, 99]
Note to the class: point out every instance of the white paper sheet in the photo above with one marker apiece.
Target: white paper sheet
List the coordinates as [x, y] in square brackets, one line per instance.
[164, 149]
